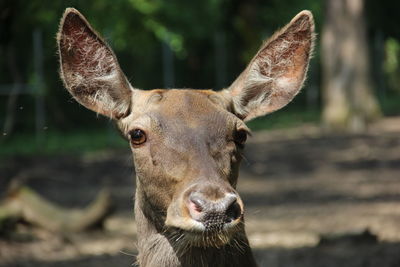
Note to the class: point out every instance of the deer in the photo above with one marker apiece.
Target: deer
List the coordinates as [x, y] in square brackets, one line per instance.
[187, 144]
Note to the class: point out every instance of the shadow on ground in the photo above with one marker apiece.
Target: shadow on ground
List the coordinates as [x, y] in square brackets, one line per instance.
[340, 254]
[297, 186]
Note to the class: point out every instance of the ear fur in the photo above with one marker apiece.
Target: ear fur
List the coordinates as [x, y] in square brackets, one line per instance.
[89, 68]
[277, 72]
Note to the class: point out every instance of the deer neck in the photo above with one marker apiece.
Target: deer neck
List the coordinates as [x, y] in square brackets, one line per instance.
[155, 245]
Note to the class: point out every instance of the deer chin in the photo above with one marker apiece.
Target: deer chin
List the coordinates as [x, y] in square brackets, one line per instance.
[185, 232]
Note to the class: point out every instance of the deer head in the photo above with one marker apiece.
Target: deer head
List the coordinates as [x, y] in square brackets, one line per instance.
[186, 143]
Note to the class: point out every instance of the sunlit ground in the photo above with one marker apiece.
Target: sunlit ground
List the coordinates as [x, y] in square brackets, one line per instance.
[309, 197]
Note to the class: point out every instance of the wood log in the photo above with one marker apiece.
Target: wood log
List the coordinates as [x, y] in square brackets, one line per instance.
[24, 203]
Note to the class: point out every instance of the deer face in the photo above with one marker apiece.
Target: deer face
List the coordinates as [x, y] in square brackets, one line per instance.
[186, 144]
[186, 147]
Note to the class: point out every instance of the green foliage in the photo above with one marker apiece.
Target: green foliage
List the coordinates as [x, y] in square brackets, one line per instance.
[56, 142]
[383, 16]
[390, 105]
[392, 63]
[285, 119]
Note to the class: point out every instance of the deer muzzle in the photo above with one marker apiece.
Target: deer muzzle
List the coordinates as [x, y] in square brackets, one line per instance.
[206, 209]
[217, 214]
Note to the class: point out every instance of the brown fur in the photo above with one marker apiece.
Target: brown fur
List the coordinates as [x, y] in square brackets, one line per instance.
[190, 137]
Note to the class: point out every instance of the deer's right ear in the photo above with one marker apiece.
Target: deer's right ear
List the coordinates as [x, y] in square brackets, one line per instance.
[89, 68]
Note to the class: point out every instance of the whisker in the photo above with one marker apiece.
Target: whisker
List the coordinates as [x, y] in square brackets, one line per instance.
[126, 253]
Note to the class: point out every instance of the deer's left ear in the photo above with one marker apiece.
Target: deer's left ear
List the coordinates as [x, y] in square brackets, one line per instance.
[277, 72]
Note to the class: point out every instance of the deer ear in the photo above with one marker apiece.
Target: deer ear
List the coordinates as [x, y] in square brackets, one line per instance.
[89, 68]
[277, 72]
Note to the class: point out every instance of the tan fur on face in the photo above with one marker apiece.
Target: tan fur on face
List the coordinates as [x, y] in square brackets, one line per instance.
[189, 139]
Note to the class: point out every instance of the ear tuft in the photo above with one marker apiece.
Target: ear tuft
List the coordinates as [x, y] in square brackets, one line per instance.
[89, 68]
[277, 72]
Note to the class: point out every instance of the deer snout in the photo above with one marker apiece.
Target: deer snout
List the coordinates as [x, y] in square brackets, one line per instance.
[214, 214]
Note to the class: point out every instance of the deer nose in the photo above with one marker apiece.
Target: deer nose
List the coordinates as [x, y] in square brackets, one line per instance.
[214, 214]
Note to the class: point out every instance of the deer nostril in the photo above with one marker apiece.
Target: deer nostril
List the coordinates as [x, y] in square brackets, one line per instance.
[233, 212]
[196, 206]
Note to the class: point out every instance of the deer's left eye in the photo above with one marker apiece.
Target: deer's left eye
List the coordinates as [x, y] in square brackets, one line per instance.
[240, 137]
[137, 137]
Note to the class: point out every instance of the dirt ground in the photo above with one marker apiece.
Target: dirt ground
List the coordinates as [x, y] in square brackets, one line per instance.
[311, 200]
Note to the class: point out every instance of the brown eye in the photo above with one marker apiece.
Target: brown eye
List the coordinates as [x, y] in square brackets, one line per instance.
[137, 137]
[240, 137]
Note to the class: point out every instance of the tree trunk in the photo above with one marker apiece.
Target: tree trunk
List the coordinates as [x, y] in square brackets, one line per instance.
[349, 102]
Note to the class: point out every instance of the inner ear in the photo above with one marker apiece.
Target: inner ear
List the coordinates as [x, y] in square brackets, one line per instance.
[277, 72]
[89, 68]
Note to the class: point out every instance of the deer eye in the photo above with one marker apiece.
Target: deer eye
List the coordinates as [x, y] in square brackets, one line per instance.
[240, 137]
[137, 137]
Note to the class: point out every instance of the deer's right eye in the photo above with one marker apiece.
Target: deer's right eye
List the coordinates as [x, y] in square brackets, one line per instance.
[137, 137]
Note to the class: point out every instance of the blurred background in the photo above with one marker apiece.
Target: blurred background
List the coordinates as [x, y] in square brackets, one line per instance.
[321, 179]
